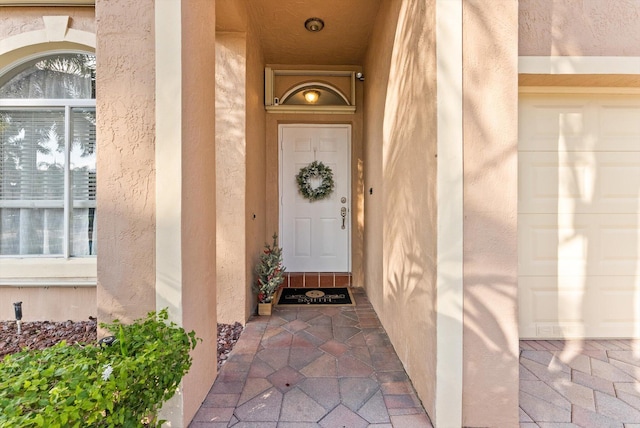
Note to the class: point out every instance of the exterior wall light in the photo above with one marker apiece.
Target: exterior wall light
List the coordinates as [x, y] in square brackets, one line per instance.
[314, 24]
[311, 96]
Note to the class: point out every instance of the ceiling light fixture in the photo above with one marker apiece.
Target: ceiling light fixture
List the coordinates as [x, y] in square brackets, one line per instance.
[314, 24]
[311, 96]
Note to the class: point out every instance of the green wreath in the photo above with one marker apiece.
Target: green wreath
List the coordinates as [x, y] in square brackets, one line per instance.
[315, 170]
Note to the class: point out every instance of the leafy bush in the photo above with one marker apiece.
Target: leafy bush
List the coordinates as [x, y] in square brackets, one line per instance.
[122, 385]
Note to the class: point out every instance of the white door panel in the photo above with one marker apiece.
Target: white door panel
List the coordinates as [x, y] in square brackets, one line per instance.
[579, 215]
[312, 236]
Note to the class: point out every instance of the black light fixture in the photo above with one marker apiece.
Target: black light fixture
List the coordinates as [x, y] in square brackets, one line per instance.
[314, 24]
[17, 308]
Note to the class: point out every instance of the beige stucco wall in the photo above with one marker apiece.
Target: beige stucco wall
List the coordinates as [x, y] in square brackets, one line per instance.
[49, 303]
[231, 172]
[490, 99]
[255, 207]
[400, 168]
[126, 174]
[240, 160]
[198, 220]
[579, 28]
[18, 20]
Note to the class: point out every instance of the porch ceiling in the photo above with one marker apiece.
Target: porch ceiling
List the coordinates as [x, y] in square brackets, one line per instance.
[283, 38]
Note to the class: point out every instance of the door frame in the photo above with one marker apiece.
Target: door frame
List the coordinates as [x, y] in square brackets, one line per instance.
[350, 205]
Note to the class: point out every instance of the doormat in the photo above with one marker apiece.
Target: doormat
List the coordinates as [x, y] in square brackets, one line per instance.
[315, 296]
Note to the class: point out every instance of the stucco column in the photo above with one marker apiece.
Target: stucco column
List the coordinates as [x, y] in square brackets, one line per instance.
[185, 188]
[125, 156]
[490, 118]
[231, 167]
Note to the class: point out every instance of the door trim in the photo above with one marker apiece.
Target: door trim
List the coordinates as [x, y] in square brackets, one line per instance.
[348, 126]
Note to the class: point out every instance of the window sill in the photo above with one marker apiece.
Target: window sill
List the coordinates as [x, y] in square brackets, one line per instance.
[48, 272]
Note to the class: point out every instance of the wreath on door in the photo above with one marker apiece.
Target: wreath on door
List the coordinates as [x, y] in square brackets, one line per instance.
[315, 170]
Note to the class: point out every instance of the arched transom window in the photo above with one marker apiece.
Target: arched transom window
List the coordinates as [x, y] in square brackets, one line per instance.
[48, 157]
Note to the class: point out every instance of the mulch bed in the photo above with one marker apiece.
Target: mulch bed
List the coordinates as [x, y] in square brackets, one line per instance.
[44, 334]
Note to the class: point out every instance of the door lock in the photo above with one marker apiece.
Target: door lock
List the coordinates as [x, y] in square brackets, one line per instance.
[343, 214]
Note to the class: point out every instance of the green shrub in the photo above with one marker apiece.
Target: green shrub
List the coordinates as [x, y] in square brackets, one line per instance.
[122, 385]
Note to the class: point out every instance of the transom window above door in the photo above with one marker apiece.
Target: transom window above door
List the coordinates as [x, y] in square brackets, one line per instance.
[311, 91]
[48, 157]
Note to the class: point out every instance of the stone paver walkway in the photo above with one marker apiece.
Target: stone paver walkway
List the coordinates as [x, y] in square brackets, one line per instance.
[329, 367]
[590, 384]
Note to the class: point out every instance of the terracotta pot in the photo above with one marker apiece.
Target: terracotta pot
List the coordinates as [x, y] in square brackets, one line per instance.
[264, 308]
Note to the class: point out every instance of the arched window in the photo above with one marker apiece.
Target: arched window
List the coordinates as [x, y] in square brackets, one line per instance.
[48, 157]
[314, 93]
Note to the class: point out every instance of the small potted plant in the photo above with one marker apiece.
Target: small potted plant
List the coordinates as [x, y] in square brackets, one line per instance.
[270, 276]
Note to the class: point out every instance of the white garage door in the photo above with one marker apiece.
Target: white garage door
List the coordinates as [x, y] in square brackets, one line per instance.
[579, 215]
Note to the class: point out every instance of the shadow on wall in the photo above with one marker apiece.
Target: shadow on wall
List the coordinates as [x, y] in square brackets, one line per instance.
[409, 206]
[408, 162]
[490, 103]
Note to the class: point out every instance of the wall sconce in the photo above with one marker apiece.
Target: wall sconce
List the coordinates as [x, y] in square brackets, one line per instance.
[311, 96]
[314, 24]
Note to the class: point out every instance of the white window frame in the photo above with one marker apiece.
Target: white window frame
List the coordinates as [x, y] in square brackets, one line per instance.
[67, 104]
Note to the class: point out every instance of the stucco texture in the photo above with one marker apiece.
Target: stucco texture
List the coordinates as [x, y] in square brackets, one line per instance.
[49, 303]
[490, 105]
[18, 20]
[125, 161]
[231, 176]
[241, 166]
[198, 220]
[400, 185]
[579, 28]
[255, 206]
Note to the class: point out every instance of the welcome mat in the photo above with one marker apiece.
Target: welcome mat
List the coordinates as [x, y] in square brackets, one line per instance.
[315, 296]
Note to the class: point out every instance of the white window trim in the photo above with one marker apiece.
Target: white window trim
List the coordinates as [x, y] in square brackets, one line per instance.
[68, 104]
[579, 65]
[48, 272]
[47, 3]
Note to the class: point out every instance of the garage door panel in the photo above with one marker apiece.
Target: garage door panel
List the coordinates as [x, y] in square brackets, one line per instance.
[579, 181]
[619, 123]
[578, 215]
[557, 307]
[542, 121]
[578, 244]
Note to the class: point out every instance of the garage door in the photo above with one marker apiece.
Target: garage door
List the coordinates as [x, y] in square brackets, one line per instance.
[579, 215]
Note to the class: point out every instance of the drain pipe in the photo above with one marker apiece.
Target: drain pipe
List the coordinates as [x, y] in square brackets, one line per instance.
[17, 307]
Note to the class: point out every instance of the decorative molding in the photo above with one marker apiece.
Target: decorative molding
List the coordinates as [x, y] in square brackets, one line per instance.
[47, 3]
[301, 109]
[269, 85]
[578, 65]
[56, 31]
[56, 27]
[611, 90]
[44, 283]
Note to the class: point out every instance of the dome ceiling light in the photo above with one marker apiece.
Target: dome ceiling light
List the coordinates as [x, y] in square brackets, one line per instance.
[311, 96]
[314, 24]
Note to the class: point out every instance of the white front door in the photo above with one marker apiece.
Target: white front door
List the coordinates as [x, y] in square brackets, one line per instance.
[315, 235]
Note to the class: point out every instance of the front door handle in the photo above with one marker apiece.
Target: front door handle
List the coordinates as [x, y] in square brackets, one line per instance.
[343, 213]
